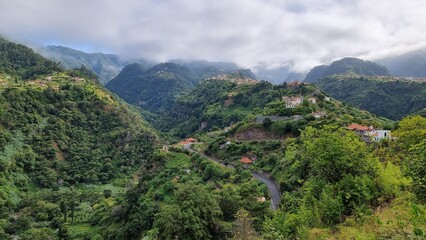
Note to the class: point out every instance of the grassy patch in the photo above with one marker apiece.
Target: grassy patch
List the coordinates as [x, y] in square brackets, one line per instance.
[83, 231]
[400, 219]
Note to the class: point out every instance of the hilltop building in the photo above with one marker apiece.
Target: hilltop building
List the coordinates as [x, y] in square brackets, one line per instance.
[292, 102]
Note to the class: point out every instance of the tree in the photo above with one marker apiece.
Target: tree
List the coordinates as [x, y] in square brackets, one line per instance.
[412, 139]
[267, 122]
[107, 193]
[195, 214]
[243, 229]
[63, 206]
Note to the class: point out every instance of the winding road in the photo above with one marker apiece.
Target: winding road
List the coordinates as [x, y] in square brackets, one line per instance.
[270, 183]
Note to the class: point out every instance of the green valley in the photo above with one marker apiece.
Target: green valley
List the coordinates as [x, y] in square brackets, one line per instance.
[203, 152]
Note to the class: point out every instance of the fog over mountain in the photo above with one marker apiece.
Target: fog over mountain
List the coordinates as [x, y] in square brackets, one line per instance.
[275, 34]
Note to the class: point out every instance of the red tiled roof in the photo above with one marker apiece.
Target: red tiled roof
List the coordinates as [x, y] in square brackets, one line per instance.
[246, 160]
[190, 140]
[355, 126]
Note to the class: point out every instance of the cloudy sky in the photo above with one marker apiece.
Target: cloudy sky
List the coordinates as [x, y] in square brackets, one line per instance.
[297, 33]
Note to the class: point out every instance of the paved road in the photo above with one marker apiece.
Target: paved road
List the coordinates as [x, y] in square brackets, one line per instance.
[272, 186]
[270, 183]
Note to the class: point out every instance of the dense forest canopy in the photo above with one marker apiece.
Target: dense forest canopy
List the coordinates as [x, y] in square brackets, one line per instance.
[389, 97]
[77, 162]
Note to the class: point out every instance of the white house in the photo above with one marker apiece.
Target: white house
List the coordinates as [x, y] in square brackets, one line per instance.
[378, 135]
[292, 102]
[319, 114]
[312, 100]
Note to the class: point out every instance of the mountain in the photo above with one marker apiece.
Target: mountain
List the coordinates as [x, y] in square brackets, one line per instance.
[21, 62]
[347, 66]
[222, 102]
[63, 140]
[106, 66]
[200, 64]
[76, 162]
[412, 64]
[390, 97]
[155, 89]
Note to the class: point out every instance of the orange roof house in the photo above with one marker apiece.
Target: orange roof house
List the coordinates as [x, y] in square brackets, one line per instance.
[246, 160]
[359, 128]
[186, 141]
[190, 140]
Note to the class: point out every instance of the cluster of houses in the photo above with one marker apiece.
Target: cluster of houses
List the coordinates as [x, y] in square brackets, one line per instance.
[368, 133]
[296, 101]
[237, 80]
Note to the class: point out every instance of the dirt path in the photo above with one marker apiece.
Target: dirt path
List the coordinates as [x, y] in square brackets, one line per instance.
[270, 183]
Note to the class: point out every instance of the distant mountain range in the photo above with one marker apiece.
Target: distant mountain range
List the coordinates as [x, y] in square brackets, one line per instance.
[106, 66]
[412, 64]
[347, 66]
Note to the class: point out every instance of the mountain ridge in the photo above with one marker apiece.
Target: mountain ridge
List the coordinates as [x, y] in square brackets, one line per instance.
[348, 66]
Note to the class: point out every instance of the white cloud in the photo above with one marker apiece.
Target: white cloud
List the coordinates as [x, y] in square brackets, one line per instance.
[298, 33]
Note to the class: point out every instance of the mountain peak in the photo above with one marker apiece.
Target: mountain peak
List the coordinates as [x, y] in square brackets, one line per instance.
[347, 66]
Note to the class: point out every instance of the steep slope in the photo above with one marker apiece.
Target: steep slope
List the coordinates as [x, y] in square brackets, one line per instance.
[21, 62]
[389, 97]
[347, 66]
[222, 102]
[59, 134]
[156, 89]
[412, 64]
[153, 89]
[106, 66]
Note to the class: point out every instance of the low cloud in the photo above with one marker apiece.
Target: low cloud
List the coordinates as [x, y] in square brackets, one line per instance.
[295, 33]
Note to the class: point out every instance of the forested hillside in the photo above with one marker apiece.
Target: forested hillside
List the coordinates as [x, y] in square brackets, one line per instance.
[59, 134]
[389, 97]
[215, 103]
[347, 66]
[20, 62]
[156, 89]
[78, 163]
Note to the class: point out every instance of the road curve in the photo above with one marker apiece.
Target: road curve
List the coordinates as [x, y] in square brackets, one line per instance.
[272, 186]
[270, 183]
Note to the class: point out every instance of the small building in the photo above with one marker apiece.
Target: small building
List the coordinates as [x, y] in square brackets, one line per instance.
[327, 98]
[312, 100]
[292, 102]
[222, 146]
[190, 140]
[261, 199]
[246, 160]
[186, 141]
[319, 114]
[294, 83]
[378, 135]
[165, 148]
[360, 128]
